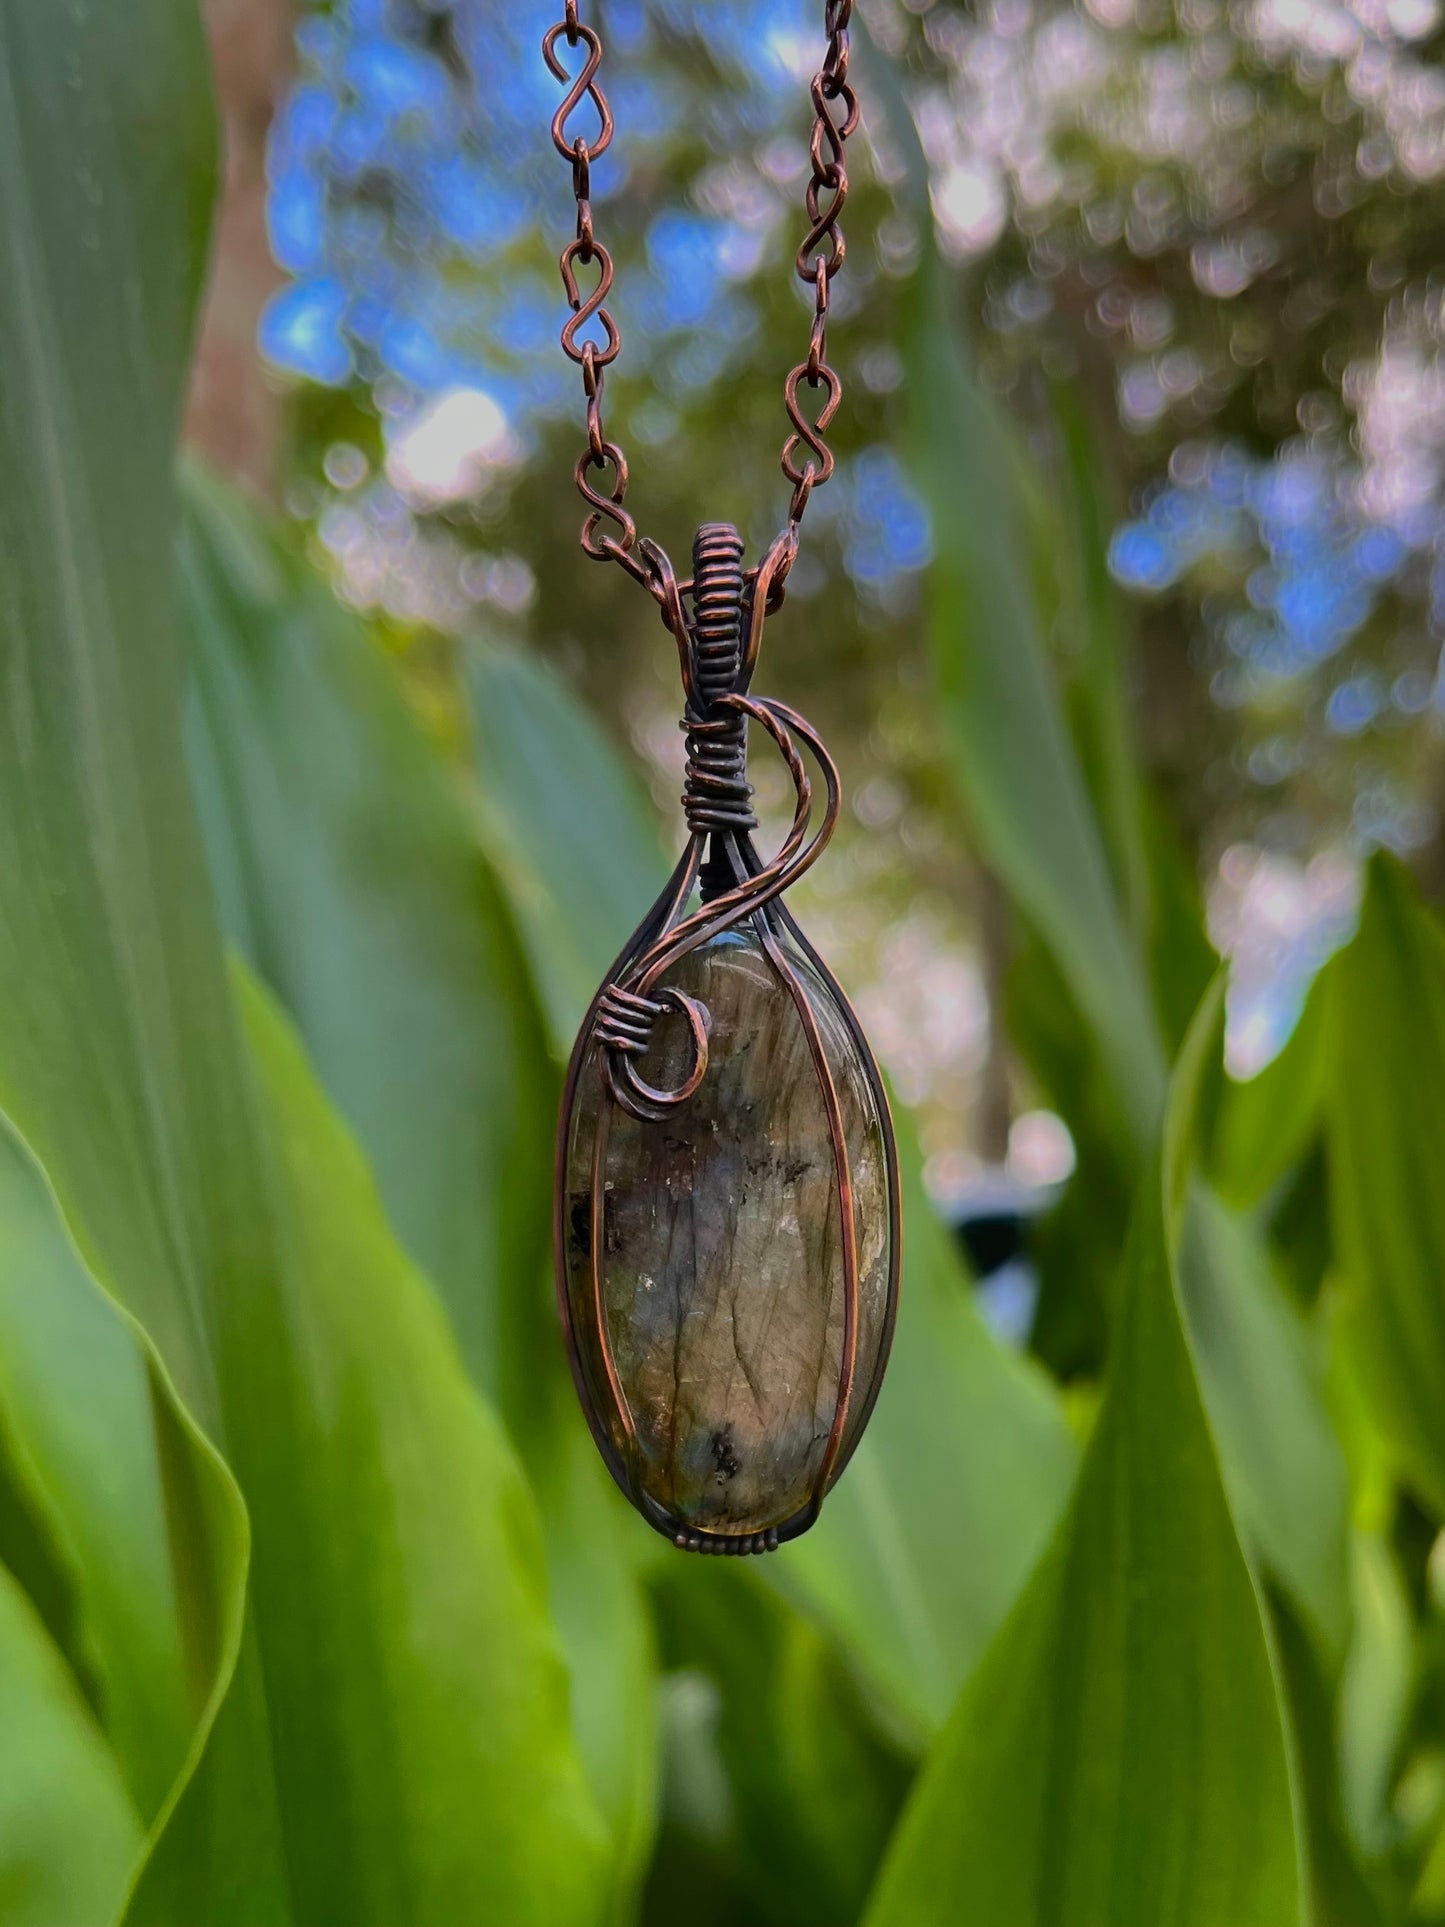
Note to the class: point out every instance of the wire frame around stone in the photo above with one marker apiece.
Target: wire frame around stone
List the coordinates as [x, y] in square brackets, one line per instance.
[727, 1220]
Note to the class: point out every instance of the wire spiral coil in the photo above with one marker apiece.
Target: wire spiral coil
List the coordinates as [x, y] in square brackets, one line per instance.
[718, 645]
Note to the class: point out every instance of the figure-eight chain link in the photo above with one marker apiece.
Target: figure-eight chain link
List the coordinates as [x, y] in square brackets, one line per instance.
[835, 109]
[609, 532]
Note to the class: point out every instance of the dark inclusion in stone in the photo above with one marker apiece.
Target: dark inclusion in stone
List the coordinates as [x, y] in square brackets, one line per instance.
[722, 1248]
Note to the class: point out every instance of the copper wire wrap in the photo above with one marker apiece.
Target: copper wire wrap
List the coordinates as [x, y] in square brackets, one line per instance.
[717, 796]
[718, 645]
[716, 619]
[717, 608]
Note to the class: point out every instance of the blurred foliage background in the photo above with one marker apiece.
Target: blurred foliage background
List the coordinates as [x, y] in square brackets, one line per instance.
[1123, 614]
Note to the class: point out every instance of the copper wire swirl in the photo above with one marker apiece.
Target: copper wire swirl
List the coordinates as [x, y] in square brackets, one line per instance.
[718, 813]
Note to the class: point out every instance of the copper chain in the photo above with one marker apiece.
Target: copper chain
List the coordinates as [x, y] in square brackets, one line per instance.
[808, 461]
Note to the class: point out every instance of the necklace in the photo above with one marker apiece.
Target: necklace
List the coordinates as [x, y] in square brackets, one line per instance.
[727, 1221]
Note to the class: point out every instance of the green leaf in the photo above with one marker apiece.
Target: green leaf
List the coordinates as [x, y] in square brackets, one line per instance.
[1182, 960]
[1118, 1756]
[1076, 1245]
[812, 1786]
[350, 876]
[392, 1740]
[1092, 641]
[950, 1499]
[1013, 760]
[461, 1795]
[75, 1406]
[567, 826]
[1387, 1150]
[1015, 764]
[1266, 1124]
[352, 873]
[1340, 1890]
[1090, 638]
[106, 166]
[574, 843]
[1427, 1902]
[1261, 1369]
[1261, 1372]
[594, 1561]
[68, 1832]
[1375, 1692]
[32, 1549]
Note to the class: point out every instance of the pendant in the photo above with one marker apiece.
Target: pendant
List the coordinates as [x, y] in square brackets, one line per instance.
[727, 1210]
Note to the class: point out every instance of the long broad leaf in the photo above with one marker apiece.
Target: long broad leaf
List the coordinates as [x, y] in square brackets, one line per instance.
[76, 1409]
[594, 1562]
[950, 1499]
[566, 823]
[1261, 1372]
[1339, 1885]
[373, 1759]
[1091, 645]
[1267, 1124]
[350, 877]
[462, 1796]
[1118, 1755]
[1014, 763]
[105, 176]
[1375, 1693]
[1387, 1150]
[68, 1832]
[1013, 759]
[352, 872]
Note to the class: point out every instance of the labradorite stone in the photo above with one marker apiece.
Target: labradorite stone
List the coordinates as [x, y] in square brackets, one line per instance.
[722, 1259]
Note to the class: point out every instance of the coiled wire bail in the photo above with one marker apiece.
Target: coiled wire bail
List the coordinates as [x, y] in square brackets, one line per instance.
[717, 796]
[718, 646]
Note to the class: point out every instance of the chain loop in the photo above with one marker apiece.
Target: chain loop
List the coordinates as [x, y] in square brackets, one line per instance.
[836, 116]
[586, 251]
[807, 460]
[600, 454]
